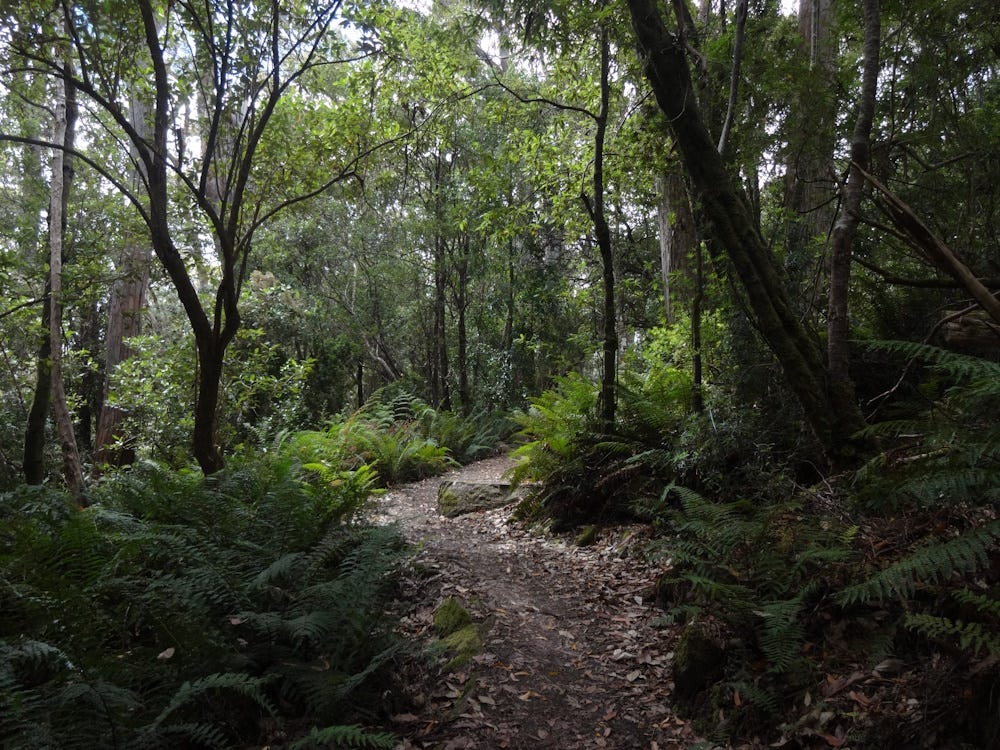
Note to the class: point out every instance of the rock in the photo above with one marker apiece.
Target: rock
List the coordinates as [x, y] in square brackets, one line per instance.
[459, 498]
[698, 662]
[450, 616]
[586, 537]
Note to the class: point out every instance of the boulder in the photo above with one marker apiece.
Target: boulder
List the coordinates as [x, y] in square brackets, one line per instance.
[458, 498]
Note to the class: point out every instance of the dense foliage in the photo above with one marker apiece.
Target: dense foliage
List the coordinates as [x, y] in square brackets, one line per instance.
[179, 610]
[336, 244]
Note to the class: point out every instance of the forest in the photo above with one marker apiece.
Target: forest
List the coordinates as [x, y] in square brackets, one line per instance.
[727, 269]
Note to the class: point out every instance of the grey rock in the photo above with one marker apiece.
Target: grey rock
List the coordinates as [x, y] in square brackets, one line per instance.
[458, 498]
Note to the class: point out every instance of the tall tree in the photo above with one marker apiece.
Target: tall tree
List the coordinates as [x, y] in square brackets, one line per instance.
[255, 54]
[833, 422]
[62, 177]
[844, 231]
[124, 316]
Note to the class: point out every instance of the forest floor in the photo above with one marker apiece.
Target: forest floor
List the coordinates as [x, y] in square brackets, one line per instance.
[572, 655]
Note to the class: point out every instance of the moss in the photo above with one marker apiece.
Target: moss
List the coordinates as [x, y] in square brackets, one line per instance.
[463, 644]
[450, 616]
[587, 537]
[698, 663]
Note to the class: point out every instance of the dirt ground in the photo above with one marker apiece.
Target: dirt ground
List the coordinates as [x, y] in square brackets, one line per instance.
[572, 655]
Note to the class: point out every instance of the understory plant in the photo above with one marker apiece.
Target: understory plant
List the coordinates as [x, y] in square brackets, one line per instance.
[400, 438]
[245, 608]
[761, 576]
[800, 591]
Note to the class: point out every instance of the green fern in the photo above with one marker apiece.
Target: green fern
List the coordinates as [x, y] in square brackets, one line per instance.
[973, 637]
[178, 611]
[934, 562]
[345, 737]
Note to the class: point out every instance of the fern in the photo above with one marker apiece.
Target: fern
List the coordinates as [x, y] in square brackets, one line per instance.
[972, 637]
[934, 562]
[176, 611]
[345, 737]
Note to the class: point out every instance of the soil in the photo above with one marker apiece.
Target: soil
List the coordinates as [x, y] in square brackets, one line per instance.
[574, 654]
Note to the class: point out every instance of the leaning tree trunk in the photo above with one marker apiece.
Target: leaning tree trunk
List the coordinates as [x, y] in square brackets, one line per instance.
[833, 423]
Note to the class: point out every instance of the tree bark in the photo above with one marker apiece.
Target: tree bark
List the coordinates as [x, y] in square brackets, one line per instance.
[810, 183]
[62, 177]
[845, 230]
[461, 306]
[128, 298]
[799, 355]
[603, 234]
[675, 222]
[33, 462]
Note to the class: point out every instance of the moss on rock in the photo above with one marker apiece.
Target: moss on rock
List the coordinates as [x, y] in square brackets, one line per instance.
[463, 644]
[450, 617]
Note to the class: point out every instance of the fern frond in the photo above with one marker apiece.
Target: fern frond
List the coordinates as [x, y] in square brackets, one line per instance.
[933, 562]
[242, 684]
[988, 605]
[972, 637]
[756, 696]
[345, 737]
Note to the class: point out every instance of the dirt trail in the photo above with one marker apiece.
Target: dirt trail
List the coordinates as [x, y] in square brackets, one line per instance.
[572, 657]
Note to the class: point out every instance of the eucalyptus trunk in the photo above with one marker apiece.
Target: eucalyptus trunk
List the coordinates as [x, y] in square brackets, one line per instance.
[125, 306]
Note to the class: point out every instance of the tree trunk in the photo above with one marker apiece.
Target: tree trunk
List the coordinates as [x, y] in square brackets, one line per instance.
[810, 184]
[603, 233]
[128, 298]
[697, 385]
[461, 305]
[732, 225]
[678, 237]
[33, 463]
[845, 230]
[62, 177]
[443, 399]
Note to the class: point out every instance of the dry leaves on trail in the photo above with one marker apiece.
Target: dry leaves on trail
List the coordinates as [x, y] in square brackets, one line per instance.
[572, 655]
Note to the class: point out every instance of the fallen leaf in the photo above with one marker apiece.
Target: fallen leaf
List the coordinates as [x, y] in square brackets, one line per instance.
[859, 698]
[404, 718]
[833, 740]
[166, 653]
[611, 713]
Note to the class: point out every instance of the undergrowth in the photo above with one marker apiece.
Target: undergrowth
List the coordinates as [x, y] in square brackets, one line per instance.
[181, 611]
[400, 438]
[803, 589]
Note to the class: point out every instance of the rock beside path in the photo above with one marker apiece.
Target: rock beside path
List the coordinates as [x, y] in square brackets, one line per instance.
[457, 498]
